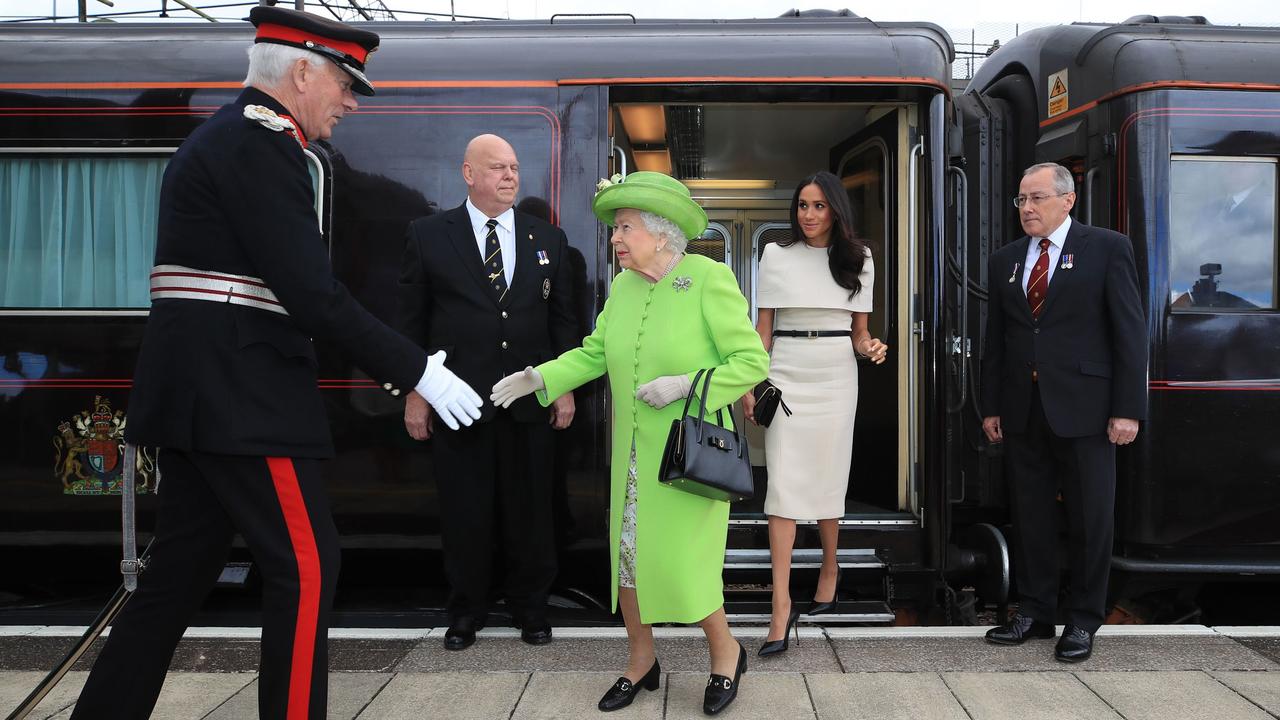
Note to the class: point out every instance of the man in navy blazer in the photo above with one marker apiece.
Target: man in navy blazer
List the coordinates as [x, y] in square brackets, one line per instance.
[1064, 382]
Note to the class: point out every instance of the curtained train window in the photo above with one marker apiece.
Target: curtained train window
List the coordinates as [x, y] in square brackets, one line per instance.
[79, 232]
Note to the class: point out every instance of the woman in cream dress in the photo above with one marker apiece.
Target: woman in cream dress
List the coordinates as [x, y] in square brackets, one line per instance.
[814, 296]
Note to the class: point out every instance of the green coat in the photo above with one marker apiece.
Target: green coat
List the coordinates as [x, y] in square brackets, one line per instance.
[693, 318]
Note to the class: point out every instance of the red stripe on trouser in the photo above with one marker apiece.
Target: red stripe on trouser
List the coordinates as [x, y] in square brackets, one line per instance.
[304, 549]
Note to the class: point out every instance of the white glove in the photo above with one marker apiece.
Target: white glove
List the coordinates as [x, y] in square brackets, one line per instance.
[661, 392]
[515, 386]
[452, 399]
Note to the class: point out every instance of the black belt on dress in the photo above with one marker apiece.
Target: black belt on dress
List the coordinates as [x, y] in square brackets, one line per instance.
[811, 333]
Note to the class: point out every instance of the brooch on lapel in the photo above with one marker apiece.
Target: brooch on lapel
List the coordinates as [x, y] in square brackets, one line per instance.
[546, 288]
[542, 258]
[682, 283]
[1068, 261]
[1014, 275]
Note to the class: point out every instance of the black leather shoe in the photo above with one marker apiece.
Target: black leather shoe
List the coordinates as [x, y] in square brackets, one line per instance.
[721, 690]
[461, 633]
[536, 635]
[624, 691]
[1075, 645]
[1019, 630]
[774, 647]
[818, 608]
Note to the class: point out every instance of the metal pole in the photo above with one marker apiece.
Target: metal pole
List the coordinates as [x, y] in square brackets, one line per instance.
[84, 10]
[300, 5]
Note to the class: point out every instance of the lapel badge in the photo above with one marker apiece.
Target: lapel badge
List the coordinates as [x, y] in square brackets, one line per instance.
[1013, 276]
[546, 288]
[542, 258]
[1068, 261]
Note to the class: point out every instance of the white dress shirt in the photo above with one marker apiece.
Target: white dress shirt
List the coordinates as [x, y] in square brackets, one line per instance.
[506, 237]
[1056, 239]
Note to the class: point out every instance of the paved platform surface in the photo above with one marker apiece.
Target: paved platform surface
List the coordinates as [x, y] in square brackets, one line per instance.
[1137, 673]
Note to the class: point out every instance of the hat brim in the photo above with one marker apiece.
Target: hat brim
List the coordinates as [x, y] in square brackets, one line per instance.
[359, 82]
[679, 209]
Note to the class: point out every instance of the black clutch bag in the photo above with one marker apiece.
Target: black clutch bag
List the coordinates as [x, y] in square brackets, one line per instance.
[768, 400]
[706, 458]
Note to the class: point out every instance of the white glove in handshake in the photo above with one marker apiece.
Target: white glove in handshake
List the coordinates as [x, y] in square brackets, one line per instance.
[662, 391]
[453, 400]
[515, 386]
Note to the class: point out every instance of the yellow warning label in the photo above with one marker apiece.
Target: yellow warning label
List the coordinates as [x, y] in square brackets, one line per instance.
[1058, 96]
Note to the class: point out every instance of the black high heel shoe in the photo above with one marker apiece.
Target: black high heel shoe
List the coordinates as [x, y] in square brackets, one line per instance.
[818, 608]
[624, 691]
[774, 647]
[721, 690]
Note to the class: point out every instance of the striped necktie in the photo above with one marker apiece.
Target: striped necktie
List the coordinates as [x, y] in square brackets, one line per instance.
[493, 260]
[1039, 285]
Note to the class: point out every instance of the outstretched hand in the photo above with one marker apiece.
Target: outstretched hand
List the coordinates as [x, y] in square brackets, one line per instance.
[515, 386]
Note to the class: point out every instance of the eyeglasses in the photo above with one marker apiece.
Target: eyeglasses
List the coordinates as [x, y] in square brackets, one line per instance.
[1034, 199]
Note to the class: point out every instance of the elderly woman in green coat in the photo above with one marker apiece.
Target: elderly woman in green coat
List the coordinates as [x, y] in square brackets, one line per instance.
[667, 316]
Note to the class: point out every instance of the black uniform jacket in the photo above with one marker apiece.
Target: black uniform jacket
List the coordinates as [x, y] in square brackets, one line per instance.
[1089, 345]
[221, 378]
[448, 304]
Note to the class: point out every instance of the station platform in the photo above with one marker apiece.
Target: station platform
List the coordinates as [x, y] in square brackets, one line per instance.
[1178, 672]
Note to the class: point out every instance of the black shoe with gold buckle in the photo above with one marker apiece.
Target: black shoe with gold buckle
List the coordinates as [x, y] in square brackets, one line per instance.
[721, 690]
[624, 691]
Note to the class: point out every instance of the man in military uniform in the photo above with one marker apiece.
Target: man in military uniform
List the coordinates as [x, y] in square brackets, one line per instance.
[226, 379]
[492, 285]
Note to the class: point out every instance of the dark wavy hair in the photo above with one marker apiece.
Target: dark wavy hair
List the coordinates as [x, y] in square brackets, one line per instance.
[846, 254]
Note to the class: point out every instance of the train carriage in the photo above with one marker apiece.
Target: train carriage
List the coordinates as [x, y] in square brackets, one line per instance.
[739, 110]
[1156, 117]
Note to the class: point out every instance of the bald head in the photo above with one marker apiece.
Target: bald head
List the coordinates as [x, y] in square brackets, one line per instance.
[492, 174]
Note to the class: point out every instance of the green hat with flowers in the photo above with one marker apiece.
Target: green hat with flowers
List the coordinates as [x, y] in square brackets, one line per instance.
[652, 192]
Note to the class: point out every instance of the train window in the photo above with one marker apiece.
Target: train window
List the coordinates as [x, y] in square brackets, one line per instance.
[78, 232]
[713, 243]
[1222, 234]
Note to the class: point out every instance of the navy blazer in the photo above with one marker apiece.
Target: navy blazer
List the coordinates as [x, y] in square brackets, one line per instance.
[447, 303]
[215, 377]
[1088, 347]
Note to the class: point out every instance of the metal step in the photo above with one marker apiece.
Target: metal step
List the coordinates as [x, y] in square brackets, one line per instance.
[862, 520]
[802, 559]
[846, 612]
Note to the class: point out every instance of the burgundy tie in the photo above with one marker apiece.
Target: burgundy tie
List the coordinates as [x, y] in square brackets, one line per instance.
[1039, 284]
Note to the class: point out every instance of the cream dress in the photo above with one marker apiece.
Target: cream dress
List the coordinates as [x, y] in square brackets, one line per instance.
[809, 452]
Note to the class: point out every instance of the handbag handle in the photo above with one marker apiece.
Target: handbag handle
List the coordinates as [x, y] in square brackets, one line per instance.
[702, 406]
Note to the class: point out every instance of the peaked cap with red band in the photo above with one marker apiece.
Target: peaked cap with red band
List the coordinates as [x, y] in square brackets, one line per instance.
[347, 47]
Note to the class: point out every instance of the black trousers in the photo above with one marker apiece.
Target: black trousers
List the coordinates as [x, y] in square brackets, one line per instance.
[494, 481]
[280, 507]
[1084, 468]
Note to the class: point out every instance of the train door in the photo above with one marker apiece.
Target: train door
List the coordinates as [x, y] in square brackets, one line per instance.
[742, 160]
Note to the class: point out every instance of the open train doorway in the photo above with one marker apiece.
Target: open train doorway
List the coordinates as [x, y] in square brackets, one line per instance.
[742, 162]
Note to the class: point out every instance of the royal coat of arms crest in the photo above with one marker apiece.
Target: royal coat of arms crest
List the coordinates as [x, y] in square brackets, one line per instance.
[89, 453]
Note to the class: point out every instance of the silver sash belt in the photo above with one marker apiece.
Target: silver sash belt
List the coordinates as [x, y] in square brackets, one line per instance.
[184, 283]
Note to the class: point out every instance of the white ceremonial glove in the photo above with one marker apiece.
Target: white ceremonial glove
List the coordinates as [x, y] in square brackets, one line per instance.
[452, 399]
[661, 392]
[515, 386]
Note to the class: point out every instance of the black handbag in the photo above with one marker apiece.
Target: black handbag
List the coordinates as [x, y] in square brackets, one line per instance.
[768, 398]
[706, 458]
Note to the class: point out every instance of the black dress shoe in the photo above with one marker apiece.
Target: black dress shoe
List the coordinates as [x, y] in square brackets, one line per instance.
[721, 690]
[624, 691]
[1019, 630]
[774, 647]
[1076, 644]
[461, 633]
[536, 635]
[818, 608]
